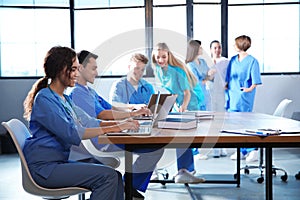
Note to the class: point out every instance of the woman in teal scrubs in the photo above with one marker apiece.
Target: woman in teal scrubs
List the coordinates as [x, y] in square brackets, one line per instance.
[177, 79]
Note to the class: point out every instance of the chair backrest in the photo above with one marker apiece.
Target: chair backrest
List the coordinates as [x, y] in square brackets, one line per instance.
[296, 116]
[107, 158]
[281, 108]
[19, 133]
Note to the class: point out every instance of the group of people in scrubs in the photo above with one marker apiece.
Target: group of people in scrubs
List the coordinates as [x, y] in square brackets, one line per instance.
[90, 101]
[59, 121]
[234, 83]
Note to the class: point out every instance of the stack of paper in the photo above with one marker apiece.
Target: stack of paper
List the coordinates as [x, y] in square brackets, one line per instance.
[177, 123]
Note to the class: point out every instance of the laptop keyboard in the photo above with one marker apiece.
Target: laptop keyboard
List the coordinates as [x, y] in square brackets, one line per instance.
[142, 129]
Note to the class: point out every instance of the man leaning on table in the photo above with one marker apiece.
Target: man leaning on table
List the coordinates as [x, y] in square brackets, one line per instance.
[88, 99]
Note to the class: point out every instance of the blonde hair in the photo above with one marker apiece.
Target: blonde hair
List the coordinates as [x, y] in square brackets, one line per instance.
[172, 60]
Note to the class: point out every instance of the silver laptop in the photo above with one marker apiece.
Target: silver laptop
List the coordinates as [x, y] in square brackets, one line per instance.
[151, 106]
[145, 128]
[163, 110]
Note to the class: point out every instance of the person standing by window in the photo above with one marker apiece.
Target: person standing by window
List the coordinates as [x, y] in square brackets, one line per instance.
[203, 73]
[178, 79]
[242, 78]
[200, 69]
[218, 87]
[56, 124]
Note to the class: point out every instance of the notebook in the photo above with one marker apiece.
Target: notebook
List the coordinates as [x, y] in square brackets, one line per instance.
[145, 128]
[151, 105]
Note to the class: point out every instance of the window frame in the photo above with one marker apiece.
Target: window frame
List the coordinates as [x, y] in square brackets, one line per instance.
[148, 6]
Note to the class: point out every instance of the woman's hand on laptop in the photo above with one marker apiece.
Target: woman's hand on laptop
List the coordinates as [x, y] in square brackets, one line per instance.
[142, 111]
[129, 125]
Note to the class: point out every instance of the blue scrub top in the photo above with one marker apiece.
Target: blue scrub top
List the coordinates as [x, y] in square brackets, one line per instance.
[241, 74]
[122, 91]
[176, 81]
[200, 71]
[54, 130]
[87, 98]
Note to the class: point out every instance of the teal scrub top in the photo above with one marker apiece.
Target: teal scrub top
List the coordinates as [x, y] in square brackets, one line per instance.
[175, 81]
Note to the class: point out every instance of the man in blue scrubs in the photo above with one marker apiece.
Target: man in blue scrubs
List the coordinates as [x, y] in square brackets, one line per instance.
[87, 98]
[133, 89]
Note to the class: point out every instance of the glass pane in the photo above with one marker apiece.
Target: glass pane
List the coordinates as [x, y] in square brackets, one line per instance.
[34, 2]
[209, 1]
[207, 26]
[169, 30]
[272, 37]
[259, 1]
[248, 25]
[107, 3]
[281, 38]
[39, 34]
[111, 39]
[160, 2]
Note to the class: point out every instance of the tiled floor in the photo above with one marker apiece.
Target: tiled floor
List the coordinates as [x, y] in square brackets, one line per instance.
[289, 159]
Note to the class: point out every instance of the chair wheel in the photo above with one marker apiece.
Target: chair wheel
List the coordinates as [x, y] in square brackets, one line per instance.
[274, 172]
[284, 178]
[298, 176]
[247, 171]
[260, 179]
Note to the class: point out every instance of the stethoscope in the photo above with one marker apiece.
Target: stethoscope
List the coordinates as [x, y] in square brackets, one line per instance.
[70, 111]
[143, 88]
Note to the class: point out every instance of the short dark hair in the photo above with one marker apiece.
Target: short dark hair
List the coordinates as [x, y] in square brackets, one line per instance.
[84, 56]
[214, 41]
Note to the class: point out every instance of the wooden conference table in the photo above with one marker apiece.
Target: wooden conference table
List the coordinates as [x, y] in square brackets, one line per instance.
[207, 134]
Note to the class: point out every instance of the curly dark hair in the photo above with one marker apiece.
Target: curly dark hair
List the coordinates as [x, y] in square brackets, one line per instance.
[56, 60]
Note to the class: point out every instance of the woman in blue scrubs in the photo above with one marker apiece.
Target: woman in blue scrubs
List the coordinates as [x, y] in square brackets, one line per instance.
[242, 78]
[56, 124]
[177, 79]
[200, 69]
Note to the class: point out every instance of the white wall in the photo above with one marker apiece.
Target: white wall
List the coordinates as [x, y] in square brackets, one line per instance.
[274, 89]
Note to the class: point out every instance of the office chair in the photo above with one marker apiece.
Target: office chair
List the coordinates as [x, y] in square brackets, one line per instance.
[279, 112]
[106, 158]
[19, 132]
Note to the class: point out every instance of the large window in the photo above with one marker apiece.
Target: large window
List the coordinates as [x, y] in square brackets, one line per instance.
[111, 37]
[207, 26]
[275, 36]
[114, 29]
[26, 35]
